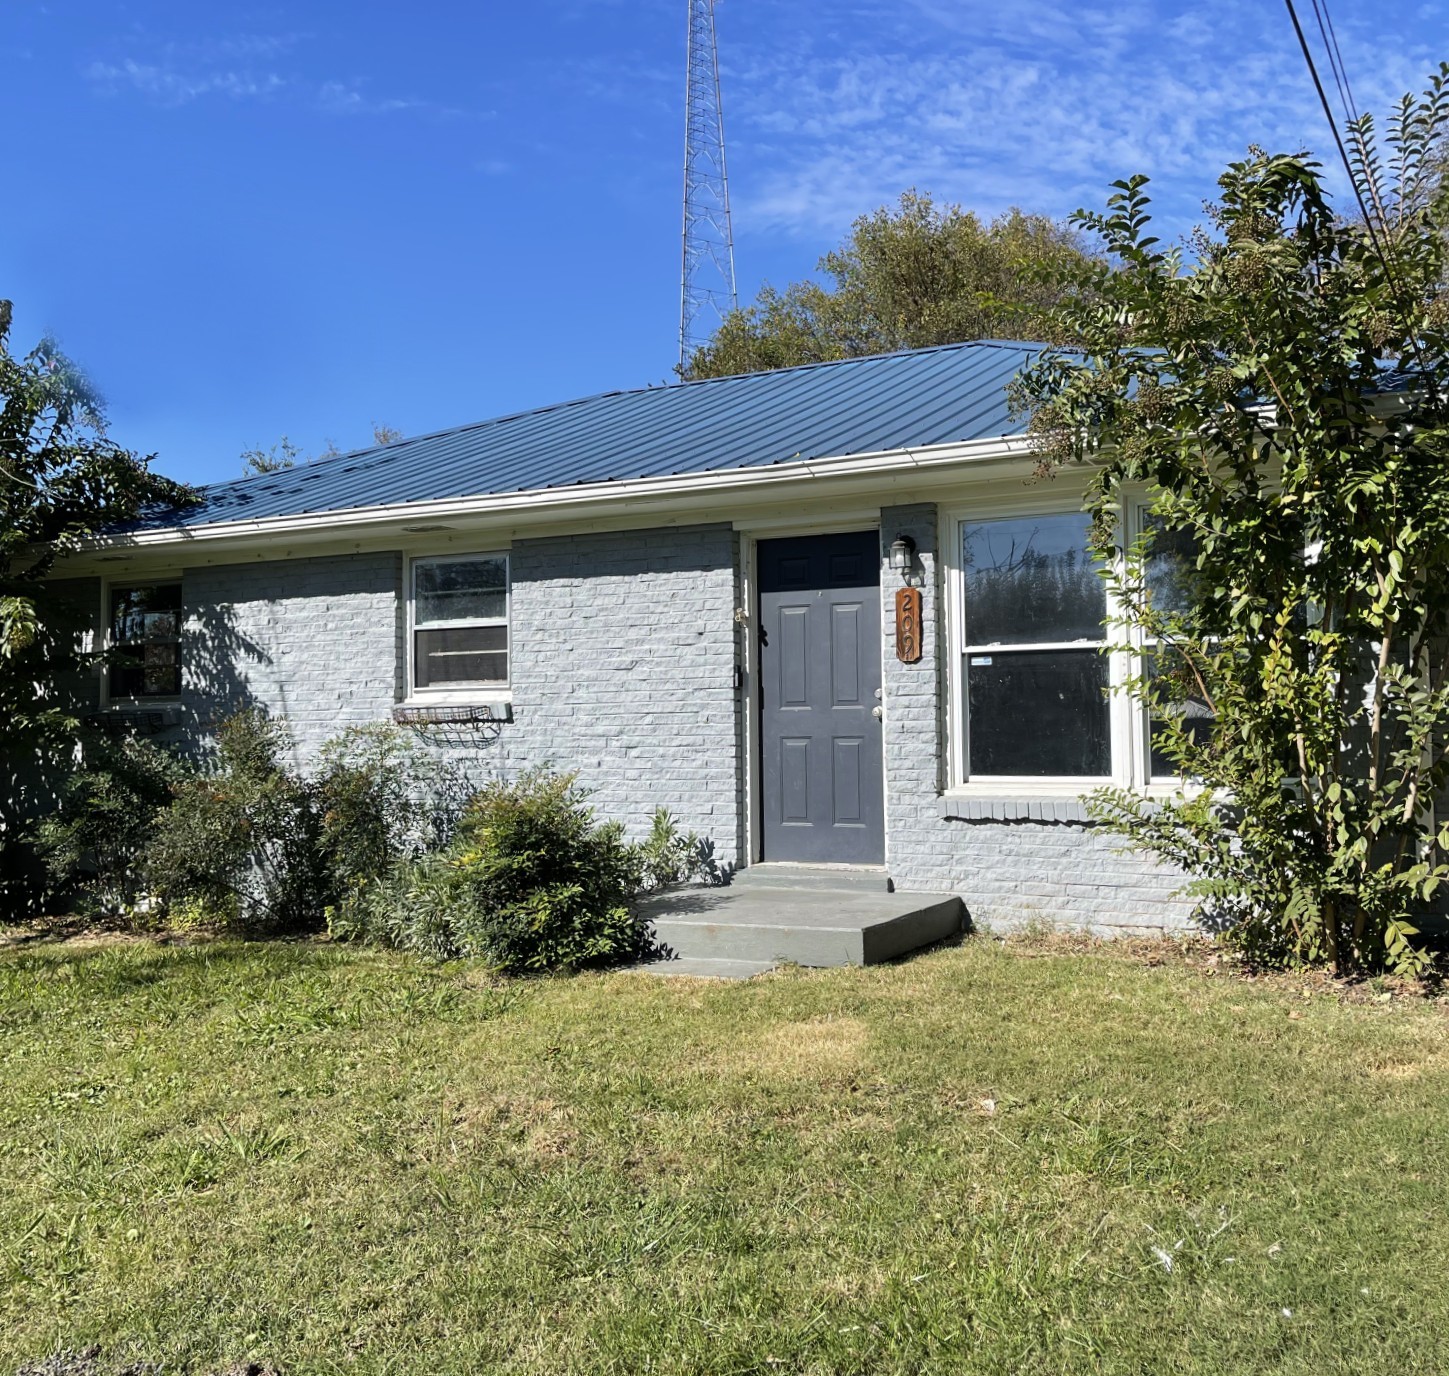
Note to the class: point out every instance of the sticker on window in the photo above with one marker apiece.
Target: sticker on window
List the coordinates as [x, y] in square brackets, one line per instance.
[984, 661]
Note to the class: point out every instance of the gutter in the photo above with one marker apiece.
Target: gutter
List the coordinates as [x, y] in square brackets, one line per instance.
[548, 499]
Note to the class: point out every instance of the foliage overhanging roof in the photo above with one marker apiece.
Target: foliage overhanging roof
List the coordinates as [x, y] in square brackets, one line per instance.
[944, 395]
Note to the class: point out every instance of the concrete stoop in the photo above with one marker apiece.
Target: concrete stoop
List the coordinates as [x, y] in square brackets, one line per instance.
[761, 923]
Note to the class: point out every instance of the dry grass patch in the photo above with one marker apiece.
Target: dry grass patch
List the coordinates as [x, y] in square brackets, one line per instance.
[816, 1047]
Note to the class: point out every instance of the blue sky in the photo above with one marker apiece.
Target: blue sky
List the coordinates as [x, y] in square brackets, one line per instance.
[253, 219]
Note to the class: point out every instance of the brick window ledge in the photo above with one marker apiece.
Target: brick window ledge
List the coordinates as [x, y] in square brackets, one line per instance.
[973, 807]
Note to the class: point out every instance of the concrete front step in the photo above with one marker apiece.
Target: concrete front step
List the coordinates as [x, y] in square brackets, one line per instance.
[804, 926]
[778, 875]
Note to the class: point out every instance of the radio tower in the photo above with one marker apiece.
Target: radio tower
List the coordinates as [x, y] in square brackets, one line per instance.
[707, 282]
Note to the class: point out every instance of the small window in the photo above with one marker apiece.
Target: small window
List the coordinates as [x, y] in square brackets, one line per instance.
[1036, 678]
[145, 635]
[460, 623]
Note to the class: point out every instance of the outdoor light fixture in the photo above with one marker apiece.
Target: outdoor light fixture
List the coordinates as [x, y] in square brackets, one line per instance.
[903, 556]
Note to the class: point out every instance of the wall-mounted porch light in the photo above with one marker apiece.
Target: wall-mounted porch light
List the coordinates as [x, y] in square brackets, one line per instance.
[903, 557]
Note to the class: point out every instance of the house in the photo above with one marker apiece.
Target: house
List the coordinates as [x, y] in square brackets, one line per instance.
[690, 595]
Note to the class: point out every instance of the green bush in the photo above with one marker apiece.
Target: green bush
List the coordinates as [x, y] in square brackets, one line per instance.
[530, 881]
[245, 841]
[256, 842]
[666, 856]
[414, 907]
[383, 800]
[94, 842]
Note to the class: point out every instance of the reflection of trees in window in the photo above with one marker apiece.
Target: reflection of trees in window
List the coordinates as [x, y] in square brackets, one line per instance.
[1036, 680]
[460, 622]
[145, 634]
[1180, 713]
[1032, 580]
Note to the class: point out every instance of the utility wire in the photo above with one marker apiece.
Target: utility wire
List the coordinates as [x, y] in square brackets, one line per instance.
[1329, 35]
[1373, 234]
[1335, 57]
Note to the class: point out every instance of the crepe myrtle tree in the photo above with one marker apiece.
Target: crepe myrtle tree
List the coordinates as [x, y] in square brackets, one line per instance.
[1279, 389]
[61, 481]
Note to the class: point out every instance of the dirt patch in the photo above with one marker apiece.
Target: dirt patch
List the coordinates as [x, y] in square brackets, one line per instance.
[89, 932]
[543, 1128]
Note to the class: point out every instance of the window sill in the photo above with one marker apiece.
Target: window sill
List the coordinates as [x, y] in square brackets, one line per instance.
[481, 697]
[1055, 806]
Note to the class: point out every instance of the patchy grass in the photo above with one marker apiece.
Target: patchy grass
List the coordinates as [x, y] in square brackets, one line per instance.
[994, 1158]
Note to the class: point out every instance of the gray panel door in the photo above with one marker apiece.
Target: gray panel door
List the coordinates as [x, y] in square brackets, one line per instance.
[820, 735]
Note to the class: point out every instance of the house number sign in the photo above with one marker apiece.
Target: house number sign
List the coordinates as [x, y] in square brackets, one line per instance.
[908, 625]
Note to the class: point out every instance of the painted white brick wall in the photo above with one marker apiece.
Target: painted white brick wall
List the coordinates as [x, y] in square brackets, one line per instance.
[1008, 872]
[623, 657]
[316, 641]
[623, 669]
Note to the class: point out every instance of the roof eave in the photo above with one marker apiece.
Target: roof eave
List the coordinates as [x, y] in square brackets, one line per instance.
[553, 502]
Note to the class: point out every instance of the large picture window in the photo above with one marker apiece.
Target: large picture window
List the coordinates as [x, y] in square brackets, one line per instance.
[144, 628]
[460, 623]
[1035, 678]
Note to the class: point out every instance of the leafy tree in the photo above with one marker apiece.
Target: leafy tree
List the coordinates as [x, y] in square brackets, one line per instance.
[1283, 390]
[284, 454]
[907, 277]
[62, 480]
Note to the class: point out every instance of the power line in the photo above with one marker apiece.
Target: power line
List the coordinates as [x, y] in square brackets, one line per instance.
[1335, 57]
[1368, 220]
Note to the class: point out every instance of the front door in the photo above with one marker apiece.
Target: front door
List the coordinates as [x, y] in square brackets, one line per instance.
[820, 703]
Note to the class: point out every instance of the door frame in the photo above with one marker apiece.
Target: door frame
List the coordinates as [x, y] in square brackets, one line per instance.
[754, 738]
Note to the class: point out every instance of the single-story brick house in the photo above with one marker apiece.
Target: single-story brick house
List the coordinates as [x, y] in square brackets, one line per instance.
[689, 594]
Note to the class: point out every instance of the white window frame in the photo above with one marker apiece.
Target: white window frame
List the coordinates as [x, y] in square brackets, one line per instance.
[1137, 506]
[1126, 719]
[480, 694]
[108, 642]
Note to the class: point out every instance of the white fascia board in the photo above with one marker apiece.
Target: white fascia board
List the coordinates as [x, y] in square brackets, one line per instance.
[645, 496]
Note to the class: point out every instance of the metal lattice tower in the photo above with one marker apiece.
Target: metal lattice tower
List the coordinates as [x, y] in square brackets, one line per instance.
[707, 281]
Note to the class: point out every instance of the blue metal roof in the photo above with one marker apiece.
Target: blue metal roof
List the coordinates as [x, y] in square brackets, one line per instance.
[942, 395]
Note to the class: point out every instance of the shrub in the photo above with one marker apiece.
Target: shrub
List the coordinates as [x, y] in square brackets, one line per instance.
[546, 886]
[414, 907]
[383, 800]
[255, 842]
[93, 843]
[245, 841]
[668, 857]
[531, 881]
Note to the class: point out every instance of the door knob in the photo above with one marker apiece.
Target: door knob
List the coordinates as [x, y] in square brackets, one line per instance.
[877, 712]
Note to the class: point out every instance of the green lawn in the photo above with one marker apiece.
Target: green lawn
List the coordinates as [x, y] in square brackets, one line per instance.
[988, 1159]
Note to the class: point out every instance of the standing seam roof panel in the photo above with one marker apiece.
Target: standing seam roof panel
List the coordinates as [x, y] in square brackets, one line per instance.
[947, 394]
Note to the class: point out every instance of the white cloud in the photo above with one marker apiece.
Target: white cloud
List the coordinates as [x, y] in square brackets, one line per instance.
[1034, 103]
[168, 86]
[180, 73]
